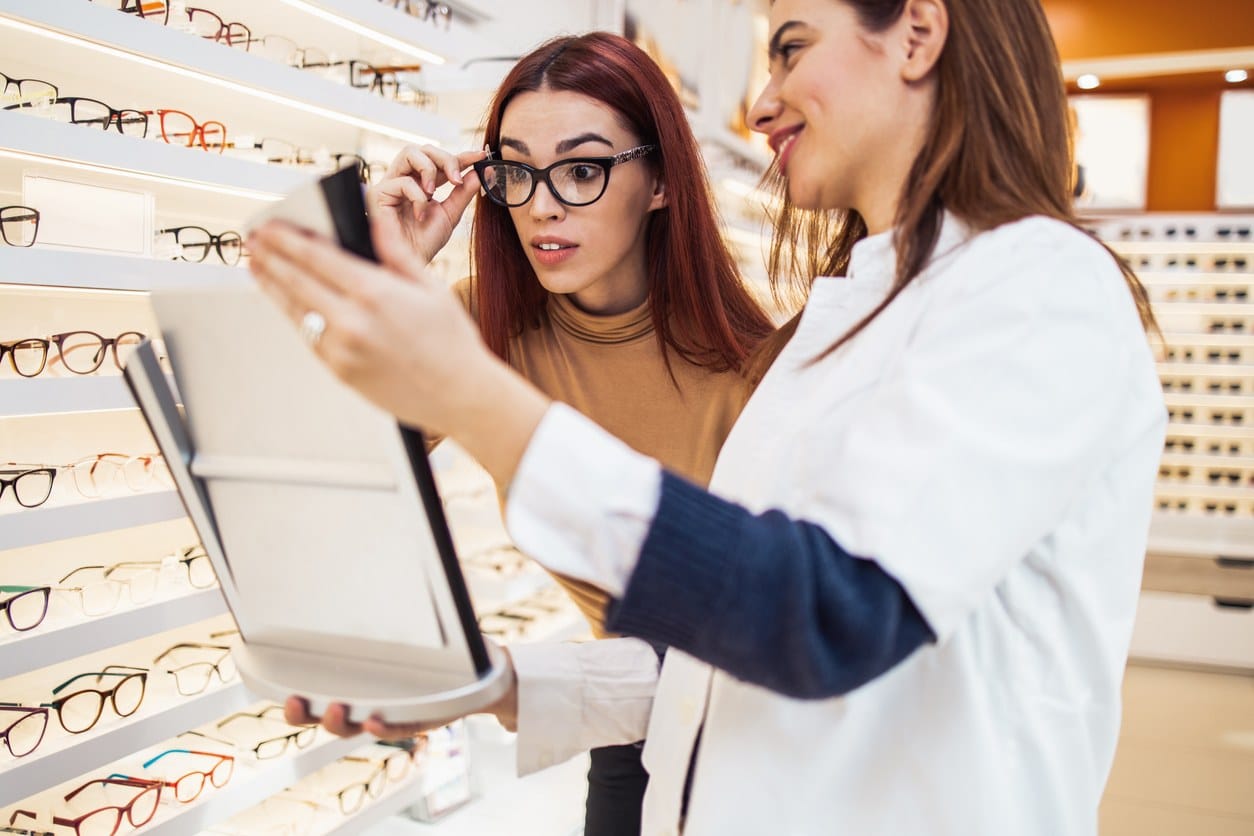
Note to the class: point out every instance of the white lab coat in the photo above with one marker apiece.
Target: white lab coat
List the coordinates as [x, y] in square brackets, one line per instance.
[991, 440]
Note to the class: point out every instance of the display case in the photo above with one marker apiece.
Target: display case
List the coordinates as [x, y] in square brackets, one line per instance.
[98, 566]
[1198, 601]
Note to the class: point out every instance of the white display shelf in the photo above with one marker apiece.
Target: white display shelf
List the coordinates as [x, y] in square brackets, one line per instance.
[1224, 492]
[100, 271]
[1154, 278]
[1192, 630]
[283, 94]
[1203, 461]
[1182, 247]
[54, 395]
[49, 647]
[33, 526]
[1214, 431]
[1201, 536]
[189, 183]
[42, 769]
[393, 801]
[1202, 399]
[454, 45]
[264, 779]
[1205, 370]
[1203, 338]
[545, 803]
[1226, 309]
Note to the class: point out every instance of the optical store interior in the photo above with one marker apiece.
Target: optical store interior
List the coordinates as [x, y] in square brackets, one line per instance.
[118, 690]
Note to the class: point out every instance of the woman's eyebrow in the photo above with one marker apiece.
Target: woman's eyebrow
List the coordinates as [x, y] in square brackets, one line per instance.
[575, 141]
[517, 144]
[778, 38]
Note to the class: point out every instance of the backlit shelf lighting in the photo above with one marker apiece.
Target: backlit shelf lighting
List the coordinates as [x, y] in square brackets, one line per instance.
[231, 191]
[233, 86]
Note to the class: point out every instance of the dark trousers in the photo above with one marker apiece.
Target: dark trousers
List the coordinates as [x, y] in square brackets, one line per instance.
[616, 782]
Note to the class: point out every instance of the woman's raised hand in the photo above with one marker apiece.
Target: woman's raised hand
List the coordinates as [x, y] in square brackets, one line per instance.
[407, 193]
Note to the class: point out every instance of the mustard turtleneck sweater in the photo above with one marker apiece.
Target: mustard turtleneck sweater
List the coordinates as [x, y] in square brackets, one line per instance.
[611, 369]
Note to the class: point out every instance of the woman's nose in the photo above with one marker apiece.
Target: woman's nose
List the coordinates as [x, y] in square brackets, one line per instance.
[766, 109]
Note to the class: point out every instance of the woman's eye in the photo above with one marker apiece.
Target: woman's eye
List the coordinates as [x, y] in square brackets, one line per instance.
[788, 50]
[583, 172]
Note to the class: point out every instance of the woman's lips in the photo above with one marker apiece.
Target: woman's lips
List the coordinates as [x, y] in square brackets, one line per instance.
[553, 257]
[785, 148]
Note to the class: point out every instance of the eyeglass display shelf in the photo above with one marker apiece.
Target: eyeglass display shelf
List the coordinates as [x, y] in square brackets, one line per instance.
[35, 526]
[61, 644]
[209, 184]
[48, 267]
[395, 798]
[1182, 247]
[263, 780]
[1204, 369]
[196, 62]
[455, 45]
[1203, 536]
[1233, 309]
[54, 395]
[545, 803]
[1205, 400]
[1192, 630]
[33, 774]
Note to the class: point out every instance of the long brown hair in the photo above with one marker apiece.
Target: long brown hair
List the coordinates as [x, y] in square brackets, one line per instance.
[998, 149]
[700, 307]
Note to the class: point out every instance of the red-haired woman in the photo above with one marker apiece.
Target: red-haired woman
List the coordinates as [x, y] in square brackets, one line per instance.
[600, 275]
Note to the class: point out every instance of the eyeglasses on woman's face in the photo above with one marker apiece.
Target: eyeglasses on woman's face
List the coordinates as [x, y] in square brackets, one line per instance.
[576, 181]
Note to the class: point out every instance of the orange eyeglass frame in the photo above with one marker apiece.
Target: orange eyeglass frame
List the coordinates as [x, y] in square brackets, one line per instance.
[200, 131]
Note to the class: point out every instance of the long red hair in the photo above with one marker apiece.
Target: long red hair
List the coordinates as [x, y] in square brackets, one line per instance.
[700, 306]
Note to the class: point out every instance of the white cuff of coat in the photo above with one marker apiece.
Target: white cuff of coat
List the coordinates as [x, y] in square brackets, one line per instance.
[573, 697]
[582, 501]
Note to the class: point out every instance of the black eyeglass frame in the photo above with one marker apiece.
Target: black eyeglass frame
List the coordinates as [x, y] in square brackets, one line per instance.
[17, 82]
[543, 174]
[214, 242]
[32, 214]
[115, 114]
[22, 472]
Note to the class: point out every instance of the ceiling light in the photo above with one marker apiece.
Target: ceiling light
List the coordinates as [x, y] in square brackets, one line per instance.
[1236, 76]
[1088, 81]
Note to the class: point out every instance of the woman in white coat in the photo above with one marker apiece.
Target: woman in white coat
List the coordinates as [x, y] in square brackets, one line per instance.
[905, 604]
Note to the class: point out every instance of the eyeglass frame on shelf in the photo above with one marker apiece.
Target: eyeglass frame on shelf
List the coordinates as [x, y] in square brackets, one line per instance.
[29, 711]
[115, 114]
[185, 557]
[214, 666]
[32, 216]
[111, 694]
[198, 129]
[126, 811]
[214, 242]
[23, 591]
[206, 776]
[23, 471]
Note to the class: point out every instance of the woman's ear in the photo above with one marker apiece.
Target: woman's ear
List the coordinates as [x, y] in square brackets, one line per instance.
[927, 27]
[658, 200]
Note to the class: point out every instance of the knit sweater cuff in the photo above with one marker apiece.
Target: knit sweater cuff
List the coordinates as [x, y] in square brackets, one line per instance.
[684, 567]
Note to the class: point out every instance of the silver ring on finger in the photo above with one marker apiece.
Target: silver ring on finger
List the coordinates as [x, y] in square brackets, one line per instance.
[312, 326]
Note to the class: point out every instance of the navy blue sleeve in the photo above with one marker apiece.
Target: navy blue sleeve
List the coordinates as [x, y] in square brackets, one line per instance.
[768, 599]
